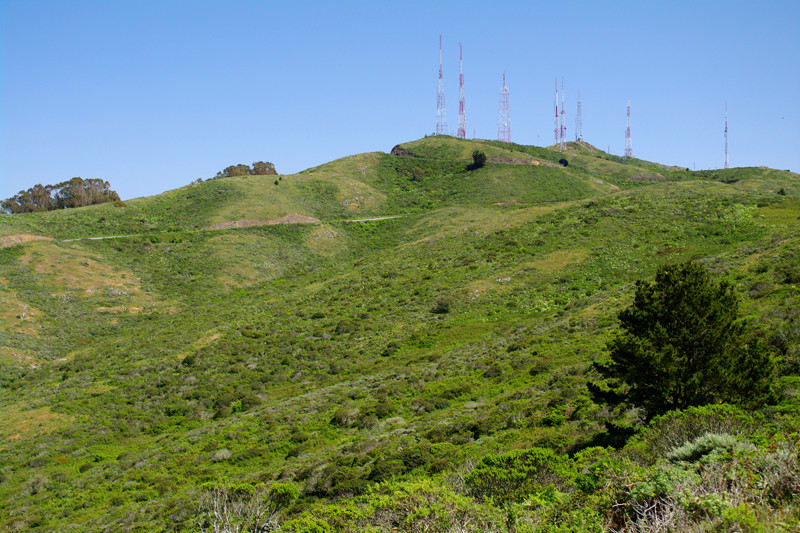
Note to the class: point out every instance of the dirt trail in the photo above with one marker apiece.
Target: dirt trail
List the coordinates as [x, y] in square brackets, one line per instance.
[293, 218]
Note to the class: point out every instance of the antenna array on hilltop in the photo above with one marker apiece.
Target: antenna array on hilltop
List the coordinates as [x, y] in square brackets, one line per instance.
[462, 116]
[726, 134]
[628, 145]
[441, 113]
[579, 121]
[504, 118]
[562, 142]
[555, 125]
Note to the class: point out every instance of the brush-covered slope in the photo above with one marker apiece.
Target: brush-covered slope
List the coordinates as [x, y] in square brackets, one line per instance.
[347, 352]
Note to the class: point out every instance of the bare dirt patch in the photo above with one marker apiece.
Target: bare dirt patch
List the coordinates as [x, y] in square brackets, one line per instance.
[294, 218]
[21, 238]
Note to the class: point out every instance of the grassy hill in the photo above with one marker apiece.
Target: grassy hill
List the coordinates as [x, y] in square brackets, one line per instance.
[373, 363]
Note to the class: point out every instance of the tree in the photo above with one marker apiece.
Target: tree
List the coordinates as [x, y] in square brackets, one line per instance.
[681, 345]
[263, 168]
[76, 192]
[478, 160]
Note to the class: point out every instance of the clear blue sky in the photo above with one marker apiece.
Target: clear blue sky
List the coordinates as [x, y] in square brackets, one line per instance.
[152, 95]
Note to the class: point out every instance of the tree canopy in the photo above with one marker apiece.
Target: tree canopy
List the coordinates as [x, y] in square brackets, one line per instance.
[259, 168]
[680, 345]
[76, 192]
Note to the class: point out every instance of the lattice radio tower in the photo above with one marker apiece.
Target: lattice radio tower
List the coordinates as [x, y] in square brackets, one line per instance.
[504, 119]
[579, 121]
[462, 116]
[555, 125]
[563, 138]
[726, 134]
[628, 145]
[441, 113]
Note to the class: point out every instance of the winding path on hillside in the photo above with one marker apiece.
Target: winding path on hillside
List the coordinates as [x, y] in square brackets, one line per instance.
[24, 238]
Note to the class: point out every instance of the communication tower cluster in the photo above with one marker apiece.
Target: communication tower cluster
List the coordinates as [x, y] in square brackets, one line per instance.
[504, 118]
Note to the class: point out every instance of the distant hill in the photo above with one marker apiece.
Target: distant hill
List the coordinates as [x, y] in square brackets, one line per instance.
[368, 331]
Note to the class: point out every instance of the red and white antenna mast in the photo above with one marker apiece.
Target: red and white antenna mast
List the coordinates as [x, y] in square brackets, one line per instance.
[441, 114]
[562, 143]
[504, 119]
[579, 121]
[628, 145]
[555, 125]
[726, 134]
[462, 116]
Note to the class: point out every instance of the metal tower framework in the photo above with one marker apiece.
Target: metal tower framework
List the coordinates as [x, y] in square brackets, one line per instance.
[579, 121]
[628, 145]
[504, 118]
[562, 145]
[441, 113]
[726, 134]
[462, 116]
[555, 125]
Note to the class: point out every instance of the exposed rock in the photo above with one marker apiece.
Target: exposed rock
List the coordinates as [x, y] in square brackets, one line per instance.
[400, 151]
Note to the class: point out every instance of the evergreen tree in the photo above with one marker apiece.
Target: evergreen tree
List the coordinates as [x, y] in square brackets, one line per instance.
[681, 345]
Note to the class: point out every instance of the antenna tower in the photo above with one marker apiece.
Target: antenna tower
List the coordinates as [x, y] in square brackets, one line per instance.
[562, 144]
[555, 125]
[628, 145]
[726, 134]
[579, 121]
[504, 120]
[441, 113]
[462, 117]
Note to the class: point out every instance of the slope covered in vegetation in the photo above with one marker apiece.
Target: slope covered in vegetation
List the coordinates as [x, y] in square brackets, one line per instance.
[432, 334]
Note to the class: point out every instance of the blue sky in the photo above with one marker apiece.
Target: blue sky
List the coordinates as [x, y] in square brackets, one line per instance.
[151, 95]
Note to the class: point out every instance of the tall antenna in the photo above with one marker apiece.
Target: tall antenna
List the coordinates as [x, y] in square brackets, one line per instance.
[563, 140]
[441, 113]
[726, 134]
[579, 121]
[555, 125]
[628, 145]
[504, 119]
[462, 117]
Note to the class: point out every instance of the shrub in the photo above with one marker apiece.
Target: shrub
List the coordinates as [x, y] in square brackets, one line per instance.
[441, 307]
[701, 446]
[345, 416]
[674, 429]
[513, 476]
[478, 160]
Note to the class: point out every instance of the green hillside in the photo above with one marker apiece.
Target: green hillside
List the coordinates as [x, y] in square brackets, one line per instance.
[422, 321]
